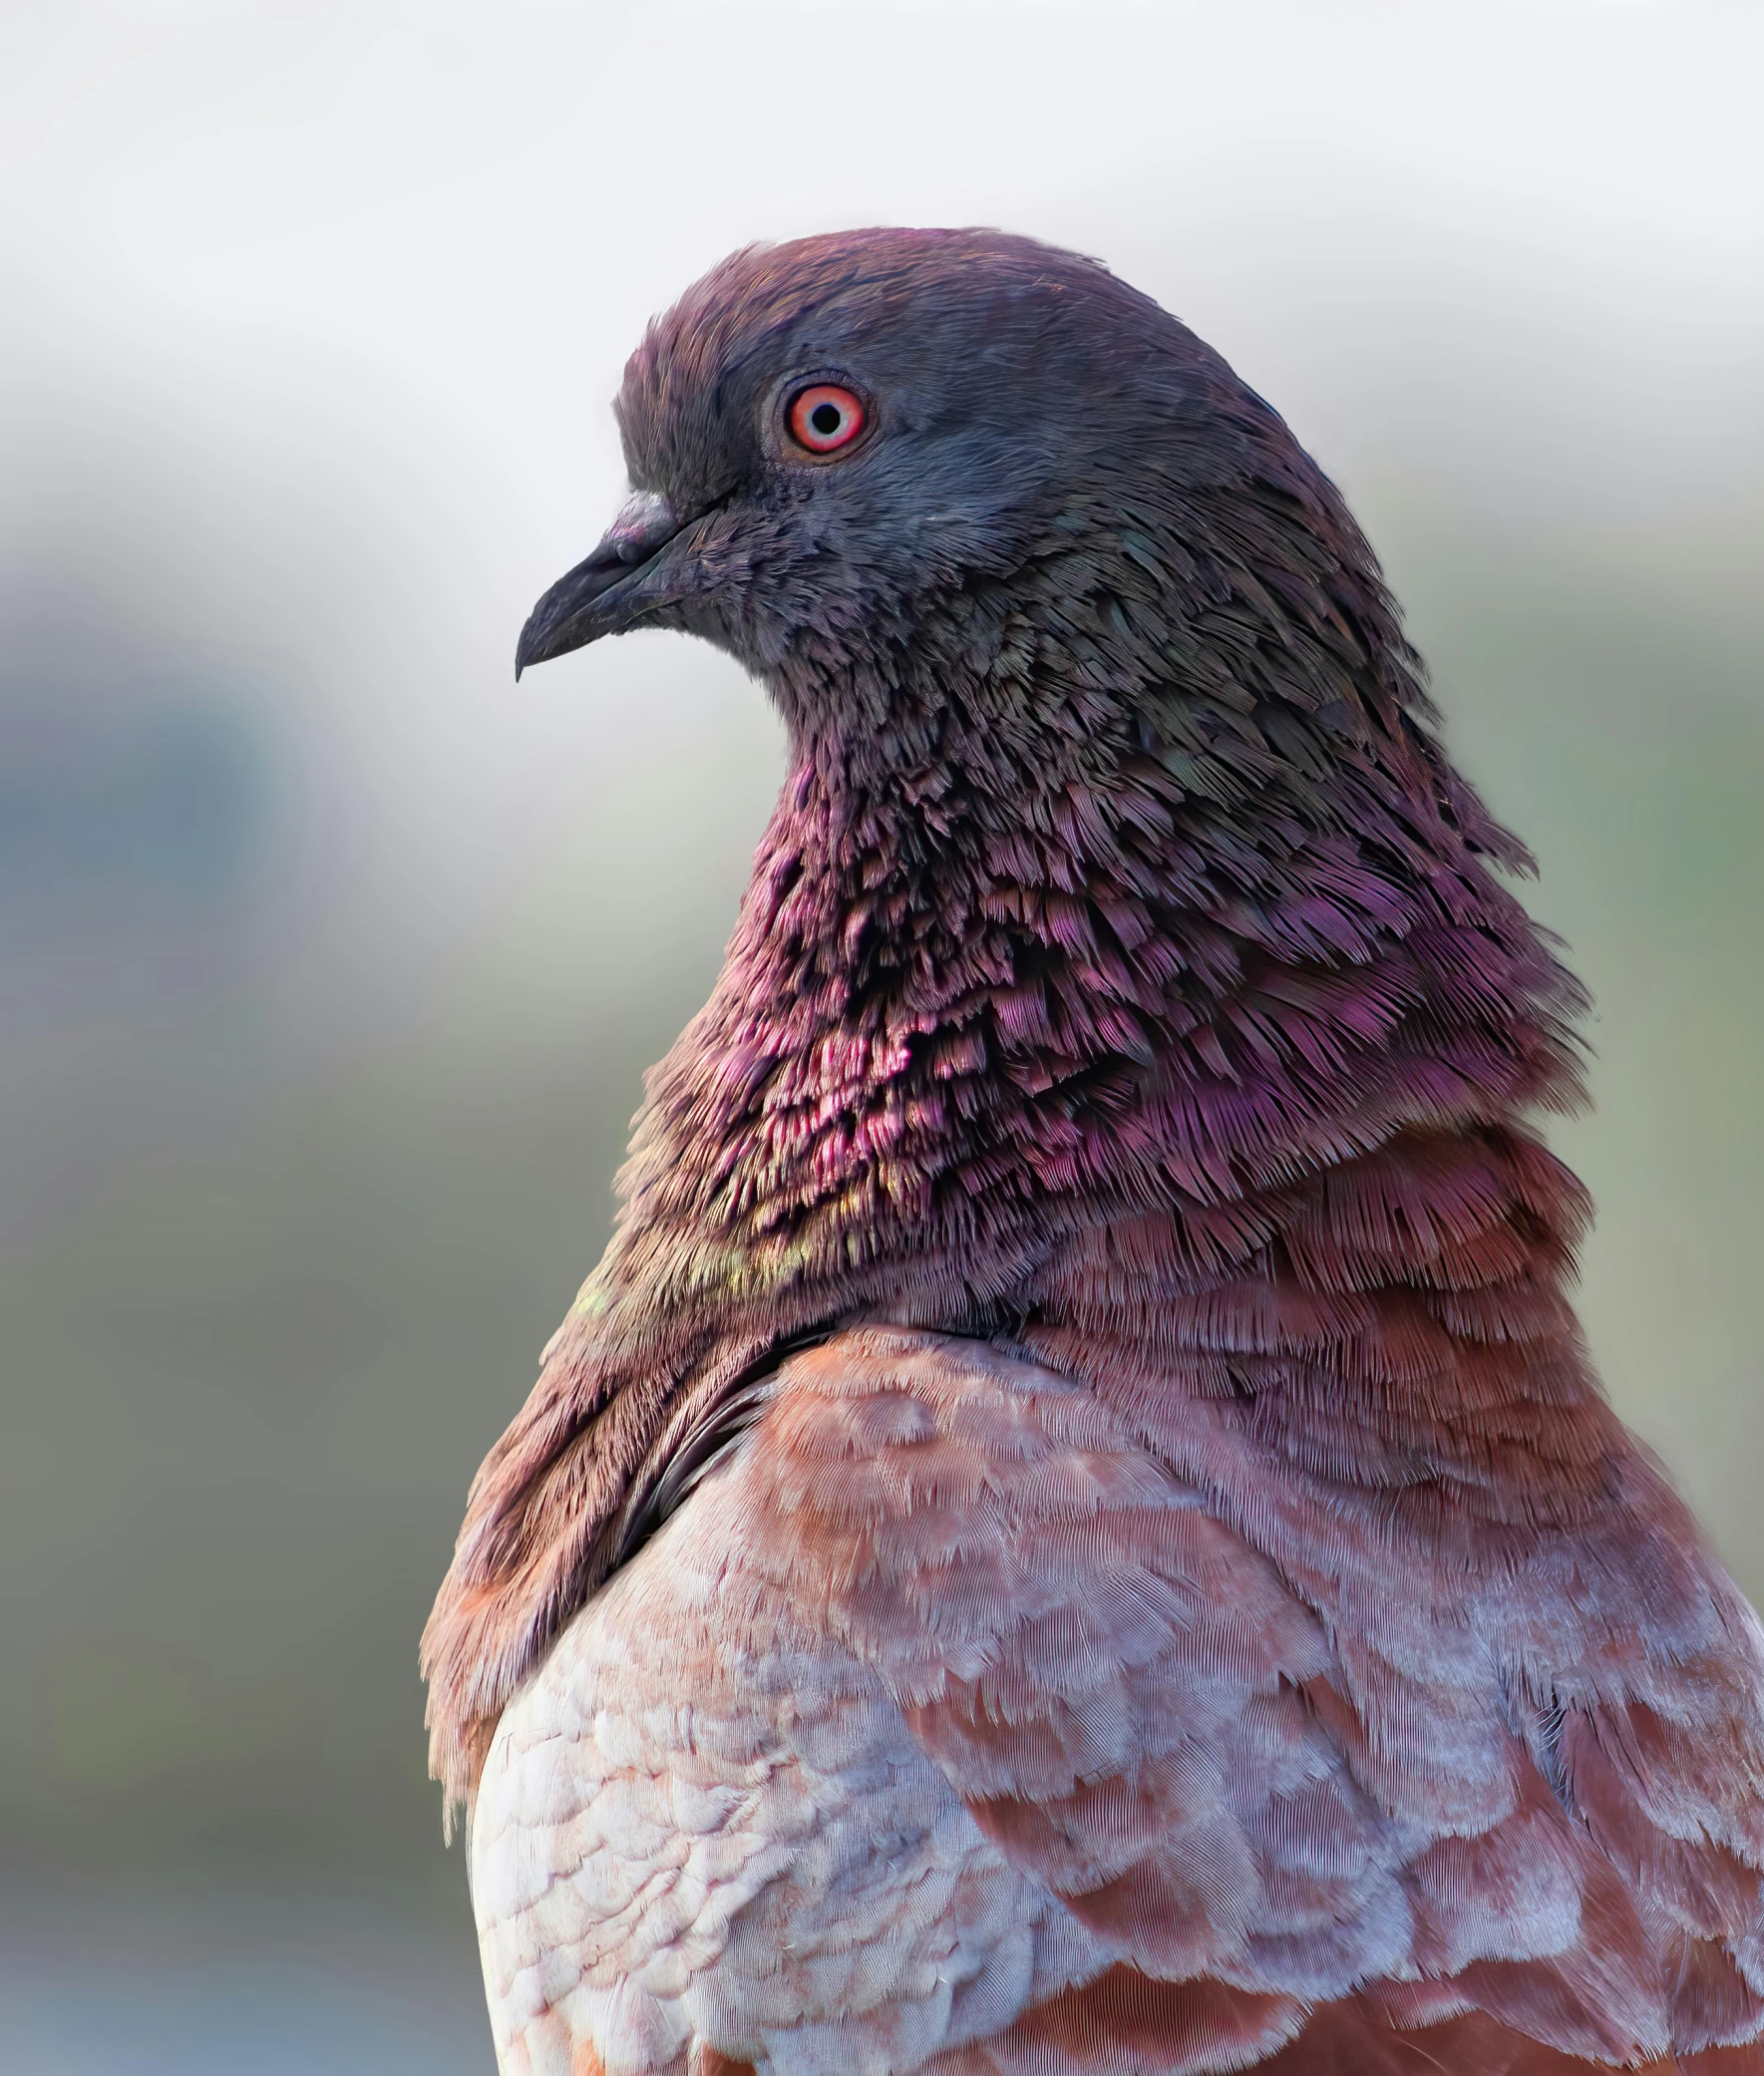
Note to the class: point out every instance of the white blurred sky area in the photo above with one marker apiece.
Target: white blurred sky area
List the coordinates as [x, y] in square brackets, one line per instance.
[329, 959]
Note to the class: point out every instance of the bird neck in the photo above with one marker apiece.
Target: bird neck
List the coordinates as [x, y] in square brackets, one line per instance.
[1185, 1047]
[999, 976]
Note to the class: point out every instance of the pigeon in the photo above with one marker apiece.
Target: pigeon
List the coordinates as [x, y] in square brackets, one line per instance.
[1072, 1529]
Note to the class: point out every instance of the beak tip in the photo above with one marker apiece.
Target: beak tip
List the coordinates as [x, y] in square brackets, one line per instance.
[532, 647]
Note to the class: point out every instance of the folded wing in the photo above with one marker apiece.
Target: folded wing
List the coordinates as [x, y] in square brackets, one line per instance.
[1514, 1834]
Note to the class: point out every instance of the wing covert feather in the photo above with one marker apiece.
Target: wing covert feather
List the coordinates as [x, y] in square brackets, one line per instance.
[1511, 1819]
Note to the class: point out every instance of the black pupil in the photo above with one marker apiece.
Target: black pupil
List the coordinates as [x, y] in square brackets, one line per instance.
[827, 419]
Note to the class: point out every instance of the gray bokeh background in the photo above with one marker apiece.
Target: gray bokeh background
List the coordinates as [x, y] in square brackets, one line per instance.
[331, 960]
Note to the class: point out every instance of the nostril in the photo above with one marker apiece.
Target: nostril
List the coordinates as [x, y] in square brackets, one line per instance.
[644, 523]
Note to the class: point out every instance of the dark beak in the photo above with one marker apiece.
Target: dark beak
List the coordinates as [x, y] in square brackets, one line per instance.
[605, 594]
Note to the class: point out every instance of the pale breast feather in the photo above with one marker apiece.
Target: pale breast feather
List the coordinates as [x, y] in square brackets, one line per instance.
[947, 1719]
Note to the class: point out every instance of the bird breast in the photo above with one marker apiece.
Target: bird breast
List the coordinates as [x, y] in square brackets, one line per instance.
[948, 1724]
[703, 1821]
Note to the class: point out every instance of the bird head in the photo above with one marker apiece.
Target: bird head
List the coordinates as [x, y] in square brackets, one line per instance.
[833, 444]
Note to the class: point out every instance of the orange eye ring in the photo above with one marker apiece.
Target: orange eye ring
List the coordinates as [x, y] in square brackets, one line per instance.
[823, 417]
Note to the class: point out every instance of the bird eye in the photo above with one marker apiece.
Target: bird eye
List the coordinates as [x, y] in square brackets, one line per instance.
[825, 418]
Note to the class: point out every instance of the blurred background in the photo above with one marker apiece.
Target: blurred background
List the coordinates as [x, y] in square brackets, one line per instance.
[331, 960]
